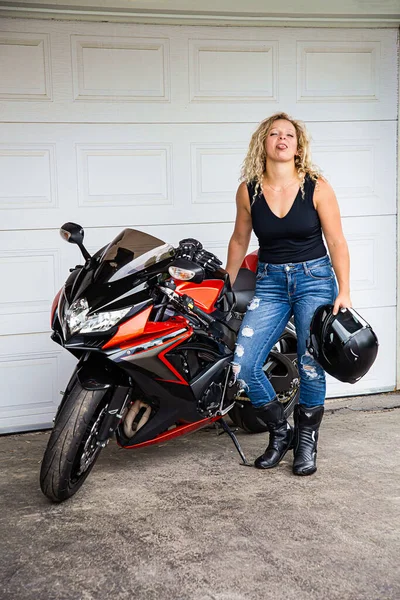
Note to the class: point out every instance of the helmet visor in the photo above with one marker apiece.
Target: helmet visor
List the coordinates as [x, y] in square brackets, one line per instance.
[346, 324]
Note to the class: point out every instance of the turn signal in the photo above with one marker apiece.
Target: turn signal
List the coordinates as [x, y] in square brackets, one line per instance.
[181, 274]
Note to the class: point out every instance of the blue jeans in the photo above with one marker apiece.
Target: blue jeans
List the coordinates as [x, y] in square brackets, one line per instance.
[282, 291]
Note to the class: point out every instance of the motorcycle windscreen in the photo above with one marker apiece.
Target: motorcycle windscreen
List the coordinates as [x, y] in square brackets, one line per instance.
[131, 251]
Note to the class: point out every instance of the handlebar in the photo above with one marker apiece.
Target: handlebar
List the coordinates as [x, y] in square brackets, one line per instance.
[191, 249]
[187, 304]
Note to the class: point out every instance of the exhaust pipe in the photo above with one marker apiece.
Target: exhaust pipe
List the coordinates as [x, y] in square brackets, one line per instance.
[130, 428]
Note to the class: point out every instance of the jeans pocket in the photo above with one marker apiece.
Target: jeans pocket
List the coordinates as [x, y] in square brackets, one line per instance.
[321, 272]
[261, 271]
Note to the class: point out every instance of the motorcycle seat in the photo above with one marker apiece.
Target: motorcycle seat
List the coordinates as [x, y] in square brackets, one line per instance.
[243, 289]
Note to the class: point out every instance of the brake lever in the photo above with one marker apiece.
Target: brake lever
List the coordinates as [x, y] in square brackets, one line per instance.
[187, 304]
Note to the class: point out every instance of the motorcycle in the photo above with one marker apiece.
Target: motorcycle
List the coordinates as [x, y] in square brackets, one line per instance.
[153, 328]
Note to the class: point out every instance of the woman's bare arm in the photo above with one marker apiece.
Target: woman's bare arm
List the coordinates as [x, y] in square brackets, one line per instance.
[240, 239]
[327, 207]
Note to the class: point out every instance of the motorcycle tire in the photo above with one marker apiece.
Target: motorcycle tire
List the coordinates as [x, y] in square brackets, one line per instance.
[281, 370]
[72, 441]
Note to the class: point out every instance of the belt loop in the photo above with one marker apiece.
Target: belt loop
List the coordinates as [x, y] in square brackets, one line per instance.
[305, 267]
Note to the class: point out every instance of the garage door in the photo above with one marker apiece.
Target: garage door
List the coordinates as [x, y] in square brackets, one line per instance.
[114, 125]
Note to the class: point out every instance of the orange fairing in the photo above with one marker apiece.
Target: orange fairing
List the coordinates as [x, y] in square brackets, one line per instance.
[130, 329]
[251, 261]
[204, 294]
[54, 306]
[139, 327]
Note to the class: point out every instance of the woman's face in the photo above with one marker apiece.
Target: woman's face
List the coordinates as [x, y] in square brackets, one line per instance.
[281, 141]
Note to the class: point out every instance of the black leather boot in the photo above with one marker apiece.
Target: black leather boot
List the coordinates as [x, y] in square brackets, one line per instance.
[306, 426]
[280, 435]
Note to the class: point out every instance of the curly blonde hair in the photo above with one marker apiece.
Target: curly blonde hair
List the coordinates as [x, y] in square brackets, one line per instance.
[253, 167]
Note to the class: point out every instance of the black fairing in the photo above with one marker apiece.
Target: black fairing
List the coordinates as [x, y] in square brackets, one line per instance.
[132, 262]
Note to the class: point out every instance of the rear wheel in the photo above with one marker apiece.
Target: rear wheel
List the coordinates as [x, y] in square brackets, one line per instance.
[72, 448]
[281, 369]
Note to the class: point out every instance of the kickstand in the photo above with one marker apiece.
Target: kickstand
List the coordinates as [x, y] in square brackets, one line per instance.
[228, 430]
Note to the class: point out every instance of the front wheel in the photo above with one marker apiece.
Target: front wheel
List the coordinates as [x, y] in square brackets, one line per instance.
[72, 448]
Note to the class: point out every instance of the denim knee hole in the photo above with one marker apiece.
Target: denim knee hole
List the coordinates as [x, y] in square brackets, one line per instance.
[309, 367]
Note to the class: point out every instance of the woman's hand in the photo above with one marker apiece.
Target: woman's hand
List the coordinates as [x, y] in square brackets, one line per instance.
[342, 301]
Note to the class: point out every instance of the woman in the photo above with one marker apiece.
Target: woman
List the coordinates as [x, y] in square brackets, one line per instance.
[287, 203]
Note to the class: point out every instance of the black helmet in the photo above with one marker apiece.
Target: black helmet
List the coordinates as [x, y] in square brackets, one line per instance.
[344, 344]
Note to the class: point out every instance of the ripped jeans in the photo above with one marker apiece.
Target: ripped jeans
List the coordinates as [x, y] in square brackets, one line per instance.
[282, 291]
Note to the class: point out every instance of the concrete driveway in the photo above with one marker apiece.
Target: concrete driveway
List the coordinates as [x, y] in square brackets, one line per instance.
[184, 521]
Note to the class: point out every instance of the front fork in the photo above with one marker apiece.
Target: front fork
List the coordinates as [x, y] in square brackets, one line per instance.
[115, 411]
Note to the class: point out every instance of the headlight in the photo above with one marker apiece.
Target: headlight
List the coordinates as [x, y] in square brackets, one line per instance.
[77, 319]
[104, 320]
[75, 315]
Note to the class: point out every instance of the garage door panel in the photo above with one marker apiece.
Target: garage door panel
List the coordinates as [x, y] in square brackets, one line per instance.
[32, 275]
[28, 176]
[26, 66]
[280, 69]
[213, 80]
[359, 161]
[119, 68]
[215, 170]
[331, 71]
[33, 265]
[34, 370]
[124, 174]
[372, 247]
[382, 375]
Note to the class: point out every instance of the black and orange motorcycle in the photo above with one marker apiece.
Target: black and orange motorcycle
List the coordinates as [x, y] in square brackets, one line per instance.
[154, 329]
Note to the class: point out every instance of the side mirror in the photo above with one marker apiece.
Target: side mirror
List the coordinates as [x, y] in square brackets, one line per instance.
[186, 270]
[73, 233]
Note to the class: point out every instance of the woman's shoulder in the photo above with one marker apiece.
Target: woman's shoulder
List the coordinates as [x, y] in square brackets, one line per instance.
[316, 182]
[247, 189]
[243, 195]
[322, 185]
[324, 192]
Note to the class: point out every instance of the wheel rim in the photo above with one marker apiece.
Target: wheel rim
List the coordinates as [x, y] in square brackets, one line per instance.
[287, 396]
[290, 394]
[90, 447]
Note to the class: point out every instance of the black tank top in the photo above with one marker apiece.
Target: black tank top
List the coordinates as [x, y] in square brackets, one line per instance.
[297, 237]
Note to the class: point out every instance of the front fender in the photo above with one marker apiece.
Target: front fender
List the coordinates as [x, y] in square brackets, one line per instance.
[96, 372]
[92, 376]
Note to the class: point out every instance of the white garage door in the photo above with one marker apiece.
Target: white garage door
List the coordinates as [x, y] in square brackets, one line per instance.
[114, 125]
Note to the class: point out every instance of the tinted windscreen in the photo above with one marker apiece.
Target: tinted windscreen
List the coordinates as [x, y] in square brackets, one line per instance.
[131, 251]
